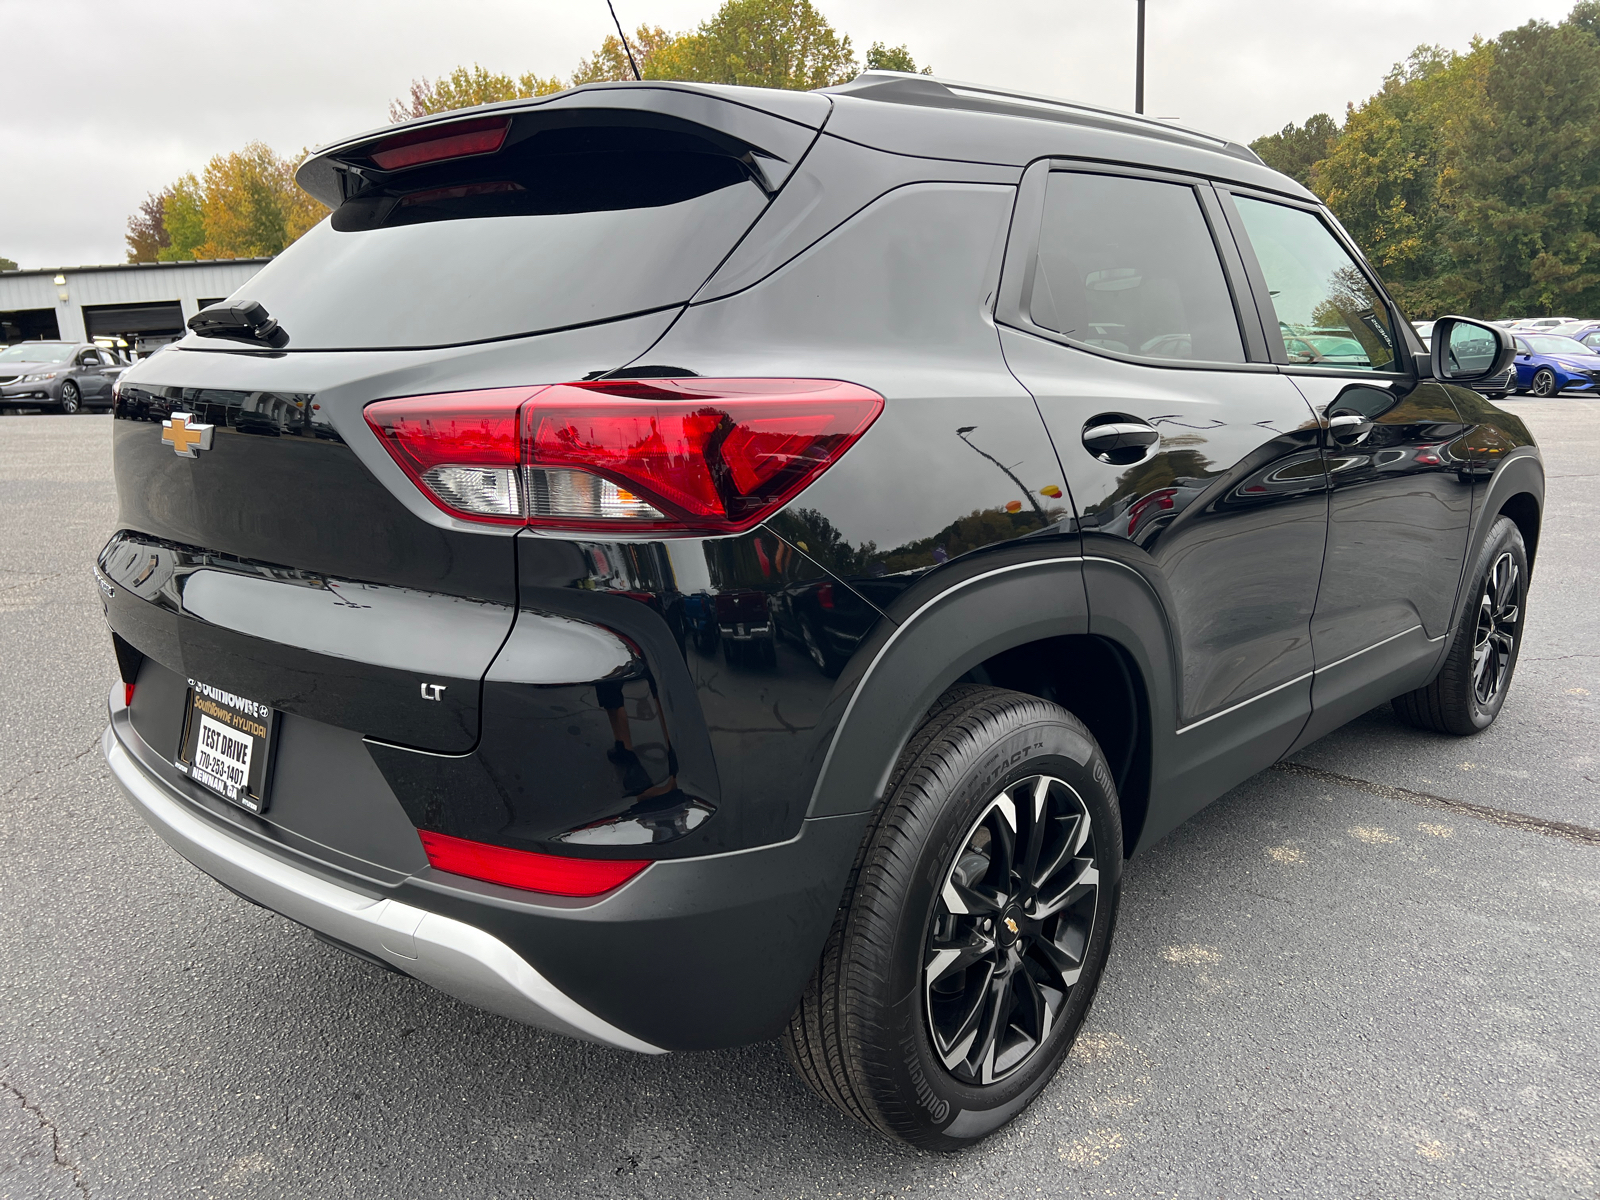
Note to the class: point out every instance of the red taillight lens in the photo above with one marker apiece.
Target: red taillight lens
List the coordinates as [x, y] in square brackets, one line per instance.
[127, 695]
[464, 449]
[552, 874]
[706, 455]
[459, 139]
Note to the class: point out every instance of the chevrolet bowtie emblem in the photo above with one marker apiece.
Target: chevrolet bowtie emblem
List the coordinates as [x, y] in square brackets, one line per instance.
[1011, 924]
[186, 435]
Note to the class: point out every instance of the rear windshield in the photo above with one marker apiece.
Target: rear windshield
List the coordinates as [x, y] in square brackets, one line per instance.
[560, 228]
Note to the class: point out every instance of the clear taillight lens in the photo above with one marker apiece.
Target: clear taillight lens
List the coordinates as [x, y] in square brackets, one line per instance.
[706, 455]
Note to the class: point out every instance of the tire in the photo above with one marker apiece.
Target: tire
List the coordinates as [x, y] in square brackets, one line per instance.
[71, 399]
[1544, 383]
[878, 1037]
[1470, 689]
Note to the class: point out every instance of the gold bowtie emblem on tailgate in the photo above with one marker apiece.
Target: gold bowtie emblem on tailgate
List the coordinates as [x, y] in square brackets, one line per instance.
[185, 435]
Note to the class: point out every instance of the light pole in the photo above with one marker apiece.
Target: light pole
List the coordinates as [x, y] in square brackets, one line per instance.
[1138, 65]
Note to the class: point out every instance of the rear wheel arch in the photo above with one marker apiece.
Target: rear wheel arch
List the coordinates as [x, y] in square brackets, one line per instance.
[1524, 510]
[1022, 625]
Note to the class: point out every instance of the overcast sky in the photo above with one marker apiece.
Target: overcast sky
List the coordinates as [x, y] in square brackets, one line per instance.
[106, 102]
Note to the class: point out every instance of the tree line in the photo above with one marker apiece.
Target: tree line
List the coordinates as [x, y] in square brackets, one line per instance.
[246, 204]
[1471, 180]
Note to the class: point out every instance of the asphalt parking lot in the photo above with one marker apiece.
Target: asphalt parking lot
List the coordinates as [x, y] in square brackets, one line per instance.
[1326, 984]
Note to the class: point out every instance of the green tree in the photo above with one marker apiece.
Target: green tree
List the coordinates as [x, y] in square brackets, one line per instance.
[7, 264]
[893, 58]
[183, 217]
[1387, 175]
[1524, 180]
[465, 87]
[609, 64]
[760, 43]
[1295, 149]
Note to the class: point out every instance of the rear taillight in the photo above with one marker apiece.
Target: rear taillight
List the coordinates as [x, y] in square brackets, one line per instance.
[703, 455]
[552, 874]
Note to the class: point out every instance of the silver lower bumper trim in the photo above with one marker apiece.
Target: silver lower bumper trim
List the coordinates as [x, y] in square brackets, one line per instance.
[458, 959]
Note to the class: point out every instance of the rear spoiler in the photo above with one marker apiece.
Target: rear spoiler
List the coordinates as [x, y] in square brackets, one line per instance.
[769, 129]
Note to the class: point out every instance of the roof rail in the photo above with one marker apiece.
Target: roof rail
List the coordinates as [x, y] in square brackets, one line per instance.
[930, 91]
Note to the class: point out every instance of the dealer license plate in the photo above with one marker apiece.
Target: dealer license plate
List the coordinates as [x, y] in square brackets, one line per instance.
[227, 744]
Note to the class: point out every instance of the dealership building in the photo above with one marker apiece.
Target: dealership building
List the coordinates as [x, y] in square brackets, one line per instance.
[144, 304]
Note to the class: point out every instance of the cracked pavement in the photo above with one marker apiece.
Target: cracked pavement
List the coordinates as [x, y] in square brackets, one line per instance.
[1316, 990]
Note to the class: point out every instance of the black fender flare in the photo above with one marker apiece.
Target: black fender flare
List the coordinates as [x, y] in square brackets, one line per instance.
[936, 638]
[1520, 472]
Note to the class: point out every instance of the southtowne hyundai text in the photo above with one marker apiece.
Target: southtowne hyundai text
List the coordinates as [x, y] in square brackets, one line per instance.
[683, 565]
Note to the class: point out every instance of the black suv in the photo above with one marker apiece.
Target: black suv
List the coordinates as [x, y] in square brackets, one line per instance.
[683, 565]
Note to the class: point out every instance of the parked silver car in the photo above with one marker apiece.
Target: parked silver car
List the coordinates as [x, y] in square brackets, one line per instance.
[69, 376]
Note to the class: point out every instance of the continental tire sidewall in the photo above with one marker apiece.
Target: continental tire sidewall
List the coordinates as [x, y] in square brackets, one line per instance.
[925, 1104]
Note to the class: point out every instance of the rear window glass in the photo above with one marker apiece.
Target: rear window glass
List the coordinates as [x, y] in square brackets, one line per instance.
[1128, 265]
[564, 227]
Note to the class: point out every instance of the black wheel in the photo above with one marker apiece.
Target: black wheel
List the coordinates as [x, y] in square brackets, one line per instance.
[975, 926]
[1467, 694]
[71, 401]
[1544, 383]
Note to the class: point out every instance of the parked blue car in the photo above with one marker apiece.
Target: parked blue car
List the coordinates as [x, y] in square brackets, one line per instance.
[1547, 364]
[1588, 332]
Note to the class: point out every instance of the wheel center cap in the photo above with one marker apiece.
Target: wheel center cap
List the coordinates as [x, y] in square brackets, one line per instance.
[1009, 927]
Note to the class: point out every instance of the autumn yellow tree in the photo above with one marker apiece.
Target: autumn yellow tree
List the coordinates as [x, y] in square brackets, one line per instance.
[243, 205]
[760, 43]
[609, 64]
[468, 86]
[756, 43]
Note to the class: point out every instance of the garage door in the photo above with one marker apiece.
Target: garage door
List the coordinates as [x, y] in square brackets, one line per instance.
[108, 320]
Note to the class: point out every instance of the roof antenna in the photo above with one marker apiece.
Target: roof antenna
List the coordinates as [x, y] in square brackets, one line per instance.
[626, 49]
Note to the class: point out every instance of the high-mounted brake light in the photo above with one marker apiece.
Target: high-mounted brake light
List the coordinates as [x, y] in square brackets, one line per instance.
[552, 874]
[699, 455]
[458, 139]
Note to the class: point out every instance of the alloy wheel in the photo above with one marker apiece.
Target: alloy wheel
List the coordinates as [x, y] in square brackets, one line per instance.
[69, 398]
[1010, 929]
[1544, 384]
[1495, 641]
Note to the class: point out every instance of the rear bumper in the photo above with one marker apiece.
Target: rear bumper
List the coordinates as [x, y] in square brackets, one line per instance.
[694, 953]
[457, 958]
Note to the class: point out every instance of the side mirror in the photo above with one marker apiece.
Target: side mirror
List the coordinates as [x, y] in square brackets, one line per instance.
[1465, 351]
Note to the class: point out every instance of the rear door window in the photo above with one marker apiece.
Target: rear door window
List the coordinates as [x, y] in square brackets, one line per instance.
[566, 227]
[1128, 265]
[1328, 313]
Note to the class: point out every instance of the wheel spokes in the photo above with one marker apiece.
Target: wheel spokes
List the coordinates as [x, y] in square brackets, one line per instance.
[1079, 882]
[999, 1001]
[1040, 793]
[957, 1047]
[1010, 929]
[1066, 961]
[958, 954]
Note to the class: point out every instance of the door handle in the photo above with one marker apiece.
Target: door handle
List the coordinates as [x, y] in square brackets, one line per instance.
[1349, 427]
[1111, 440]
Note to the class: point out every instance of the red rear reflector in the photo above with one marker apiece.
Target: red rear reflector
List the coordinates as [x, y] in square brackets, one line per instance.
[459, 139]
[704, 455]
[127, 695]
[553, 874]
